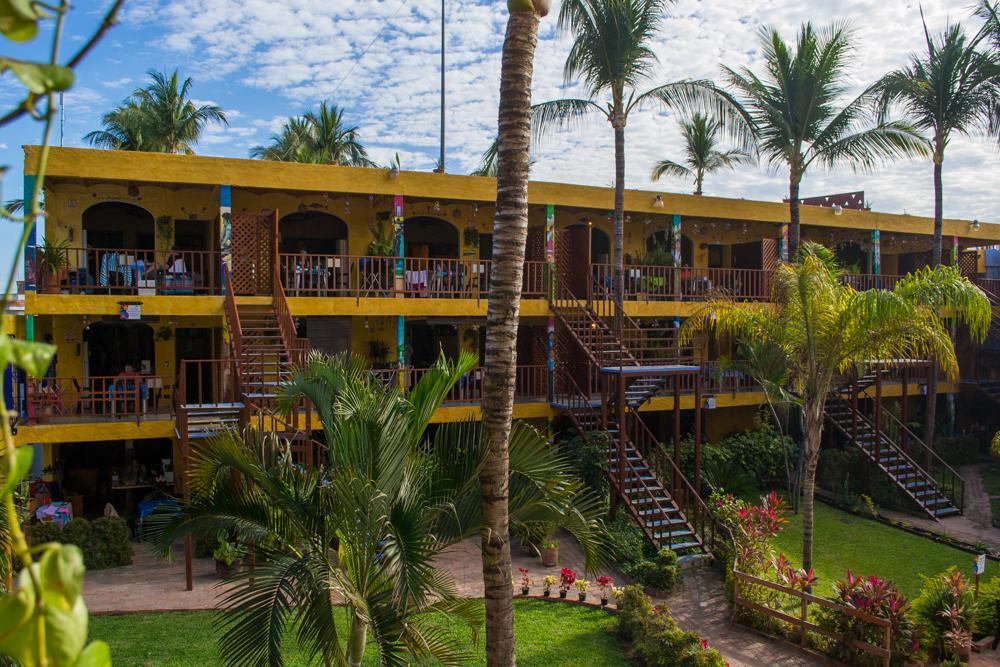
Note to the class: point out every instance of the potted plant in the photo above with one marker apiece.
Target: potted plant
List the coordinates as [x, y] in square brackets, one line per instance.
[550, 553]
[470, 236]
[581, 588]
[618, 593]
[605, 584]
[226, 556]
[525, 581]
[51, 259]
[548, 581]
[566, 579]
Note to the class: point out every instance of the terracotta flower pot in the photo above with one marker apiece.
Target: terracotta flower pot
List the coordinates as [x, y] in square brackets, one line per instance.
[550, 556]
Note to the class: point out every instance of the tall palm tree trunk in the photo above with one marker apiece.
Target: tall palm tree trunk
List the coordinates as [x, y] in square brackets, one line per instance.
[618, 122]
[936, 258]
[794, 230]
[356, 645]
[936, 249]
[510, 233]
[813, 416]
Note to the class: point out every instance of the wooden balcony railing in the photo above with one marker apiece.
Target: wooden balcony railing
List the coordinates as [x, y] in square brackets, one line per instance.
[867, 281]
[368, 276]
[668, 283]
[64, 399]
[531, 382]
[140, 272]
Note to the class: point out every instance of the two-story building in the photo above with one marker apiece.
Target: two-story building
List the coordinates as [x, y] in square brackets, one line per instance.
[191, 284]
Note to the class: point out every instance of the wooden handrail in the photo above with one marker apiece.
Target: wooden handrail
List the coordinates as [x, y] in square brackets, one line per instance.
[297, 347]
[233, 320]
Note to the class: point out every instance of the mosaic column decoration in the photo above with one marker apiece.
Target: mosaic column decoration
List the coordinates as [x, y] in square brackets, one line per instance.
[226, 225]
[876, 252]
[29, 249]
[399, 243]
[675, 231]
[783, 245]
[550, 327]
[954, 251]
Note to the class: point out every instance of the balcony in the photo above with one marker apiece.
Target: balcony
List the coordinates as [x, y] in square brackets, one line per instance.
[369, 276]
[132, 272]
[55, 400]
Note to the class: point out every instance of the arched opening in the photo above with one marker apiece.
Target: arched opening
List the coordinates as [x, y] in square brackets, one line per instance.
[600, 246]
[660, 244]
[312, 232]
[426, 236]
[115, 224]
[115, 347]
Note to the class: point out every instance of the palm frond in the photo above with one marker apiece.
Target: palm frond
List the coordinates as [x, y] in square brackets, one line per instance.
[668, 168]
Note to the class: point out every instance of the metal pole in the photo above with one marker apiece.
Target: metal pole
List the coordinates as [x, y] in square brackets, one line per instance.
[441, 158]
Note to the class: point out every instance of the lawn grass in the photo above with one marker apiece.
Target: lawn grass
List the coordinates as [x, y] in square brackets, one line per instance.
[843, 541]
[548, 633]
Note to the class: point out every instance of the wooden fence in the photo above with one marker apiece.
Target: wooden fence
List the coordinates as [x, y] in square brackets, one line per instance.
[802, 622]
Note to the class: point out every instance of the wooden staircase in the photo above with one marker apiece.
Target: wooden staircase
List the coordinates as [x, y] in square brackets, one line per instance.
[939, 493]
[644, 478]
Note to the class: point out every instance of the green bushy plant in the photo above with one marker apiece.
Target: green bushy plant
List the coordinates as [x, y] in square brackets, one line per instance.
[638, 559]
[944, 597]
[588, 456]
[986, 607]
[656, 639]
[104, 542]
[959, 449]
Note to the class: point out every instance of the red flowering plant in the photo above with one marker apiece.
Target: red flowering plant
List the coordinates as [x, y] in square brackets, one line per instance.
[525, 580]
[566, 579]
[876, 597]
[798, 579]
[605, 583]
[753, 527]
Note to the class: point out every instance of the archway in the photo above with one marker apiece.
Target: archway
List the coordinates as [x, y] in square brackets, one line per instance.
[660, 242]
[427, 236]
[117, 225]
[312, 232]
[852, 257]
[600, 246]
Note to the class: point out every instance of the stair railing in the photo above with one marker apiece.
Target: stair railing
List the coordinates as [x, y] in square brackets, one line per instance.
[710, 531]
[882, 436]
[233, 320]
[947, 477]
[298, 348]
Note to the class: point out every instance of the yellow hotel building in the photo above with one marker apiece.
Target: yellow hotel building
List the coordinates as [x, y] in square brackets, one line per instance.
[191, 284]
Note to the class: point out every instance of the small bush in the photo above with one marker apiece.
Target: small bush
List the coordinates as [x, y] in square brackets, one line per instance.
[588, 456]
[986, 607]
[104, 542]
[637, 558]
[959, 449]
[656, 639]
[941, 593]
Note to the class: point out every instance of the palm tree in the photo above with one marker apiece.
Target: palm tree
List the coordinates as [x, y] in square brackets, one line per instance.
[702, 156]
[510, 234]
[825, 330]
[612, 55]
[159, 117]
[952, 88]
[363, 529]
[796, 116]
[317, 137]
[987, 10]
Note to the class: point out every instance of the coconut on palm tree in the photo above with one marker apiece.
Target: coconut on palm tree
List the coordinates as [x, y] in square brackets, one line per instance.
[612, 55]
[344, 552]
[317, 137]
[701, 153]
[510, 234]
[798, 118]
[159, 117]
[824, 330]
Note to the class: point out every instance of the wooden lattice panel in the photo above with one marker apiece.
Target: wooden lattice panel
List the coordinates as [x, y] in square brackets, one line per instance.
[968, 264]
[254, 247]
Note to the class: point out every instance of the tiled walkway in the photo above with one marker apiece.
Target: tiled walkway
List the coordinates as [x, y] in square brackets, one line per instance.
[150, 585]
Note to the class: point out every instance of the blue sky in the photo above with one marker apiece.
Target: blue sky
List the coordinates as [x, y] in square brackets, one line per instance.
[263, 61]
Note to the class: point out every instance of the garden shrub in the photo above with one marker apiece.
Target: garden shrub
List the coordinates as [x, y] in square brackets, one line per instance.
[744, 463]
[637, 558]
[104, 542]
[959, 449]
[837, 471]
[986, 607]
[941, 593]
[879, 598]
[656, 639]
[588, 456]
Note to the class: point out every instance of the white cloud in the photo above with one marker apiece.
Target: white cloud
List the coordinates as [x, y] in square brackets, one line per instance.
[117, 83]
[308, 50]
